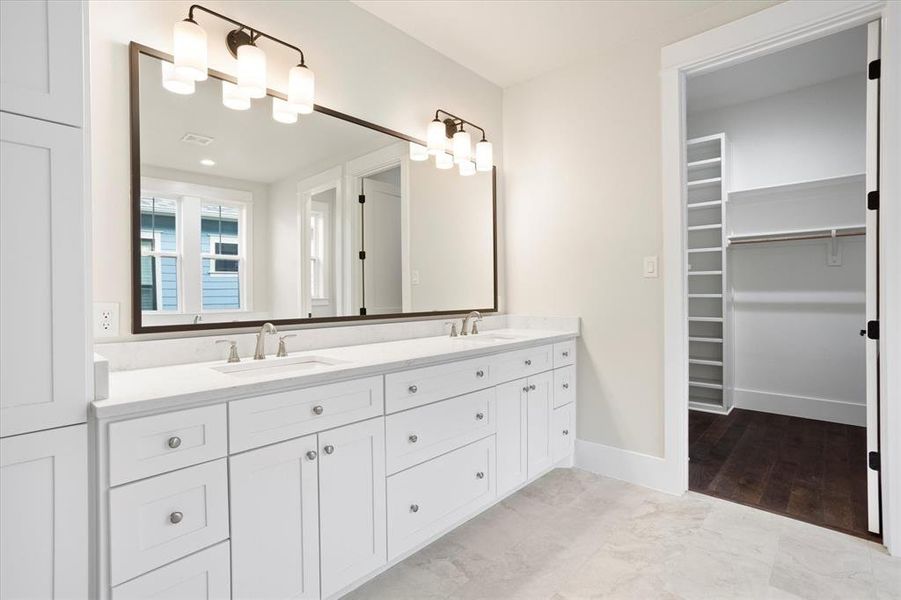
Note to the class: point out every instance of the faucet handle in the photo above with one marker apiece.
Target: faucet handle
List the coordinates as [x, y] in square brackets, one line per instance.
[232, 350]
[282, 350]
[453, 331]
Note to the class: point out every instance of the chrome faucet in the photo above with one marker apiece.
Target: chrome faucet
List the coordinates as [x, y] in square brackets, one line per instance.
[260, 352]
[464, 330]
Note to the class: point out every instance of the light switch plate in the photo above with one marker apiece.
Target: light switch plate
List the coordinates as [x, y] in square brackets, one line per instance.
[106, 319]
[650, 267]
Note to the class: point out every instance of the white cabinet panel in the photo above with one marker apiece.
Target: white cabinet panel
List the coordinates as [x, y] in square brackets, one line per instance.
[158, 520]
[275, 522]
[512, 435]
[563, 433]
[540, 403]
[43, 514]
[564, 385]
[416, 435]
[148, 446]
[43, 332]
[416, 387]
[41, 58]
[201, 576]
[352, 522]
[523, 363]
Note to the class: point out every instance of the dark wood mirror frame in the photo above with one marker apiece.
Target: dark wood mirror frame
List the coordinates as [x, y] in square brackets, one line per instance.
[135, 51]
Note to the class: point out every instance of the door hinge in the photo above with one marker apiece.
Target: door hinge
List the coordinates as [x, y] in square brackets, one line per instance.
[874, 69]
[361, 198]
[873, 200]
[362, 255]
[362, 311]
[873, 461]
[873, 330]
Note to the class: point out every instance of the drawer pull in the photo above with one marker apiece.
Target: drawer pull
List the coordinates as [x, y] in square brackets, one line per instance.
[480, 373]
[328, 449]
[317, 410]
[174, 442]
[413, 438]
[528, 362]
[480, 475]
[414, 508]
[565, 353]
[532, 388]
[480, 416]
[176, 517]
[413, 389]
[565, 386]
[566, 432]
[311, 455]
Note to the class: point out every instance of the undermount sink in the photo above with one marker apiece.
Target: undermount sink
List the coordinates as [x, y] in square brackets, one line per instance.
[275, 366]
[489, 338]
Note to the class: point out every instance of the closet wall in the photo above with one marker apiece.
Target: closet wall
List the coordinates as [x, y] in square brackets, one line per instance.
[796, 162]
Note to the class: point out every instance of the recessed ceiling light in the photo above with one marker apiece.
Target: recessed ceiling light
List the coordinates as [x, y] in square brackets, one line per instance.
[208, 162]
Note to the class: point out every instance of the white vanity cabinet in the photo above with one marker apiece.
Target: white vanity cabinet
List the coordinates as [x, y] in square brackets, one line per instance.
[512, 435]
[540, 404]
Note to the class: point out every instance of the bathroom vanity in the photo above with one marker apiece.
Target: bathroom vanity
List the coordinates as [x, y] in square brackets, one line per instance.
[304, 476]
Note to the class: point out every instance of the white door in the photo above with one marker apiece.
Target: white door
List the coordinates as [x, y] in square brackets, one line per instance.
[512, 435]
[275, 522]
[540, 404]
[41, 59]
[352, 511]
[43, 333]
[872, 176]
[44, 514]
[382, 241]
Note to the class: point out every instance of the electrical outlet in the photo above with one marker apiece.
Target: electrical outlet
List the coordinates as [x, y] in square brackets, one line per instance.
[106, 319]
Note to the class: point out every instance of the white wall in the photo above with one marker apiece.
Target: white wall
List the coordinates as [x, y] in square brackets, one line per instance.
[363, 67]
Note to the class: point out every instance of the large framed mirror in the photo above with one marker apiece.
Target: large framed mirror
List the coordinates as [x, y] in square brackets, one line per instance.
[239, 218]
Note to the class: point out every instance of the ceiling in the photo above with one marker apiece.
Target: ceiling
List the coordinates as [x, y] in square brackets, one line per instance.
[508, 42]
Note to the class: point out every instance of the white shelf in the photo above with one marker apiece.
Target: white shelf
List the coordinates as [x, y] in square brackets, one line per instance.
[705, 295]
[711, 204]
[699, 250]
[795, 186]
[701, 164]
[707, 139]
[696, 273]
[705, 227]
[701, 183]
[709, 340]
[800, 233]
[704, 361]
[706, 319]
[710, 384]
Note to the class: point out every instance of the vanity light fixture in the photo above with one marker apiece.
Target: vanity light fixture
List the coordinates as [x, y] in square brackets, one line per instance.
[175, 82]
[282, 111]
[233, 98]
[451, 132]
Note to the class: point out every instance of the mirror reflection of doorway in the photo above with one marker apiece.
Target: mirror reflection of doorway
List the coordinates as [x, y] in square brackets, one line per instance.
[381, 240]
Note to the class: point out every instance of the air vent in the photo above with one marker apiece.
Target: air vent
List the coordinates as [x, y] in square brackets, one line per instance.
[197, 139]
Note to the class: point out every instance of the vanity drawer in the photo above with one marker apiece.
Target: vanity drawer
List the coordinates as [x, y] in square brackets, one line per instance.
[522, 363]
[276, 417]
[564, 385]
[202, 576]
[434, 496]
[416, 387]
[564, 353]
[563, 432]
[149, 446]
[416, 435]
[158, 520]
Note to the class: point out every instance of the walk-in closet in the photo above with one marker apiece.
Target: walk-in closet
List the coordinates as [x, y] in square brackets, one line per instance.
[780, 252]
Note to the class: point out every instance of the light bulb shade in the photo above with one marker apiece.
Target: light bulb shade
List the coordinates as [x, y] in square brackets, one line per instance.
[462, 147]
[467, 167]
[233, 98]
[436, 137]
[283, 112]
[443, 160]
[252, 71]
[418, 152]
[189, 45]
[174, 81]
[301, 85]
[484, 156]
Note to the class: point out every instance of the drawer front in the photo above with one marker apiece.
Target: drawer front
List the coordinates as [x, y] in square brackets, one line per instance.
[416, 387]
[564, 353]
[523, 363]
[276, 417]
[564, 385]
[202, 576]
[139, 448]
[416, 435]
[563, 432]
[158, 520]
[434, 496]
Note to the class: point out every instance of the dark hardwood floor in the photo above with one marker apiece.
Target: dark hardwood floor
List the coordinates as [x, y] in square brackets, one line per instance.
[809, 470]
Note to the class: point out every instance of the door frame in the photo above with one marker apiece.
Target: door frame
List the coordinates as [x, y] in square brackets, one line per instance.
[777, 28]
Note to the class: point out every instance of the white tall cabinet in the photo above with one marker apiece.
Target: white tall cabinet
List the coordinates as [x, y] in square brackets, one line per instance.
[45, 380]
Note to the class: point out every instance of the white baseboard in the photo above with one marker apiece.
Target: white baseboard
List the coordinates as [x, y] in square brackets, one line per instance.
[821, 409]
[634, 467]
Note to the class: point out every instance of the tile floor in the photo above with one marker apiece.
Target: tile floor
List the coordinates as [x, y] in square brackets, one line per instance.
[573, 534]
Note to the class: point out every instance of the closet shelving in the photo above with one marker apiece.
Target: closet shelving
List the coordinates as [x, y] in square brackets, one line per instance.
[705, 187]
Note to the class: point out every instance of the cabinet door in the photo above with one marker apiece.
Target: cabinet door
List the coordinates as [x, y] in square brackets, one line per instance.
[41, 59]
[563, 432]
[44, 514]
[275, 522]
[540, 403]
[352, 508]
[200, 576]
[512, 435]
[43, 333]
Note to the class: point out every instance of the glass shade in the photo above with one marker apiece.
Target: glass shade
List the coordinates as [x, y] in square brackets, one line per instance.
[462, 147]
[436, 137]
[283, 112]
[252, 71]
[418, 152]
[443, 160]
[174, 82]
[484, 156]
[467, 167]
[189, 44]
[301, 85]
[233, 98]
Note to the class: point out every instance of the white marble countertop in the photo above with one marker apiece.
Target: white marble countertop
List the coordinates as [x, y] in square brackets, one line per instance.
[176, 386]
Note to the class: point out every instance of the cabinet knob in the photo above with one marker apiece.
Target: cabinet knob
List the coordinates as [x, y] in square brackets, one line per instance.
[480, 416]
[480, 373]
[413, 438]
[311, 455]
[317, 410]
[414, 508]
[565, 386]
[480, 475]
[175, 517]
[525, 388]
[565, 353]
[566, 432]
[532, 388]
[174, 442]
[413, 389]
[528, 362]
[328, 449]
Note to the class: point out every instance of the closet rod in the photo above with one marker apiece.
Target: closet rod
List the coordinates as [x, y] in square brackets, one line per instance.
[789, 238]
